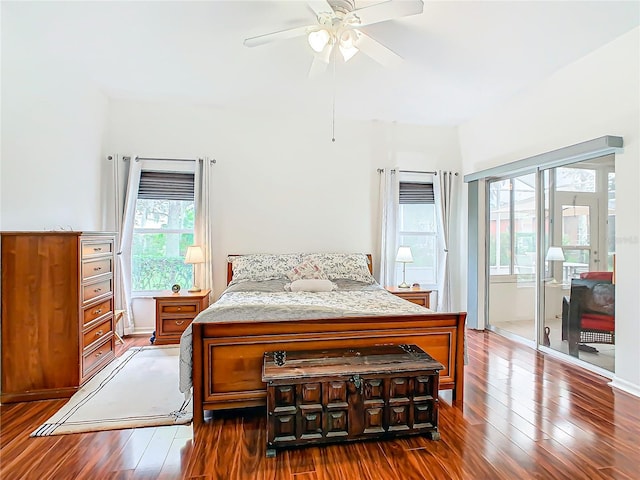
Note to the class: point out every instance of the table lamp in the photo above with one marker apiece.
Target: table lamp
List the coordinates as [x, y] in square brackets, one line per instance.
[194, 255]
[404, 256]
[554, 254]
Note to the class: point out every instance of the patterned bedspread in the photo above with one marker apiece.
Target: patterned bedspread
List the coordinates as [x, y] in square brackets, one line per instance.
[267, 300]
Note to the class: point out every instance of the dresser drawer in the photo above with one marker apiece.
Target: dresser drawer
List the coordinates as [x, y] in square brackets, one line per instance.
[95, 290]
[97, 333]
[96, 247]
[174, 326]
[96, 267]
[91, 313]
[180, 308]
[95, 357]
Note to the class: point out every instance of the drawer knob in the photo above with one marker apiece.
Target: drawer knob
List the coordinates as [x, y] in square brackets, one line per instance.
[179, 308]
[97, 249]
[179, 322]
[98, 311]
[97, 269]
[98, 354]
[99, 333]
[97, 290]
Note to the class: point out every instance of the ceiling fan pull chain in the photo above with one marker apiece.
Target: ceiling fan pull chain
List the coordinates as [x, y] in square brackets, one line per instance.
[333, 120]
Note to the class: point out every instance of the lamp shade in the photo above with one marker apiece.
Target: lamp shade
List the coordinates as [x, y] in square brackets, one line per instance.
[194, 254]
[404, 255]
[318, 39]
[555, 254]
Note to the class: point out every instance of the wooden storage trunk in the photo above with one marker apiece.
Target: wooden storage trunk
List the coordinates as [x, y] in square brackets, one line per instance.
[321, 396]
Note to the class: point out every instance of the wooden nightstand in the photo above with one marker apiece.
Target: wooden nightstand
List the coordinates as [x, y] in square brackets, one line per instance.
[414, 294]
[175, 312]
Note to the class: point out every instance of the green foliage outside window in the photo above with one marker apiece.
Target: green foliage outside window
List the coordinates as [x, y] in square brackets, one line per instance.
[158, 261]
[160, 273]
[505, 250]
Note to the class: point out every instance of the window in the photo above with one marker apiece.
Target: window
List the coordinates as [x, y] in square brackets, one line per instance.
[512, 227]
[163, 229]
[418, 229]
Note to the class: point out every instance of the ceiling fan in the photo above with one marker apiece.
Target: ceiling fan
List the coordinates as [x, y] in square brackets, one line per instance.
[338, 27]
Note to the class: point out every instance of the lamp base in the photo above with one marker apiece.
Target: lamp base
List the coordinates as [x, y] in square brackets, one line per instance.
[194, 289]
[404, 285]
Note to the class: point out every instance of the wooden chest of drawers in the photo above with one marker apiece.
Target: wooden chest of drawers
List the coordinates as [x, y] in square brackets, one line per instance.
[57, 312]
[175, 312]
[321, 396]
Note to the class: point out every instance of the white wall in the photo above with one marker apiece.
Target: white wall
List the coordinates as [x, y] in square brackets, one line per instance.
[281, 184]
[598, 95]
[53, 122]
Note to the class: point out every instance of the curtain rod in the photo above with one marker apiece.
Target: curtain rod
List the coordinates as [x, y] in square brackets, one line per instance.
[380, 170]
[137, 159]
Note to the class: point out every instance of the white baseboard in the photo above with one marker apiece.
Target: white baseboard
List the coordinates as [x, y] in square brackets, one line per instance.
[625, 386]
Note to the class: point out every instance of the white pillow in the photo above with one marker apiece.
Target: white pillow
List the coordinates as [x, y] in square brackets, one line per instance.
[312, 285]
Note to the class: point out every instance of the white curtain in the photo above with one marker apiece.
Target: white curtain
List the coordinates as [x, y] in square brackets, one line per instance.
[204, 224]
[444, 185]
[389, 198]
[126, 237]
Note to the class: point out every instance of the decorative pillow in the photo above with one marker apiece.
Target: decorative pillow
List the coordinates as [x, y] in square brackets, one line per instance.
[352, 266]
[306, 270]
[263, 266]
[311, 285]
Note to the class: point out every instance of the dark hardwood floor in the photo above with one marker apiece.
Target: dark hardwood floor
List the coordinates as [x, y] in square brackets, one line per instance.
[525, 416]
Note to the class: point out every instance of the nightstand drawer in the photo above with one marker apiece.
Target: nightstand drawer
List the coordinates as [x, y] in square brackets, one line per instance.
[414, 295]
[174, 326]
[417, 298]
[180, 308]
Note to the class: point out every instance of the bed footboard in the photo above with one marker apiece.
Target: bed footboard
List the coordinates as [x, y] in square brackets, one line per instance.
[227, 356]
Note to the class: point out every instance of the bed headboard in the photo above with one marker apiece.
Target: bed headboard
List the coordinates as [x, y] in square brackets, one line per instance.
[230, 266]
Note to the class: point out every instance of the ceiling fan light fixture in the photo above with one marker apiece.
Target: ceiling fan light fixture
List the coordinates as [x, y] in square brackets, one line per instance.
[318, 39]
[347, 45]
[348, 52]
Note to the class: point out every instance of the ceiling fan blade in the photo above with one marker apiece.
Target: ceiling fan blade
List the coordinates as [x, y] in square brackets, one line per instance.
[318, 67]
[320, 7]
[275, 36]
[388, 10]
[377, 51]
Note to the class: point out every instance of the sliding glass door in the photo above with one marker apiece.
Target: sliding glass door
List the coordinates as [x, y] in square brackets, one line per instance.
[579, 251]
[512, 256]
[548, 231]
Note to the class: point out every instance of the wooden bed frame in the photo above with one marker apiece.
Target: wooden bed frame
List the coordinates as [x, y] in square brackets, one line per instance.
[227, 357]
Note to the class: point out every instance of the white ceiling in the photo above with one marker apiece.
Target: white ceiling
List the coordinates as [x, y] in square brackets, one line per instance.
[461, 58]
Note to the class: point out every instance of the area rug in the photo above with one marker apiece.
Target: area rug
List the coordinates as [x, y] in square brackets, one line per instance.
[137, 389]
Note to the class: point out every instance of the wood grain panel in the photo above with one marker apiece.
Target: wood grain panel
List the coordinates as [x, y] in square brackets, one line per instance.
[237, 367]
[39, 355]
